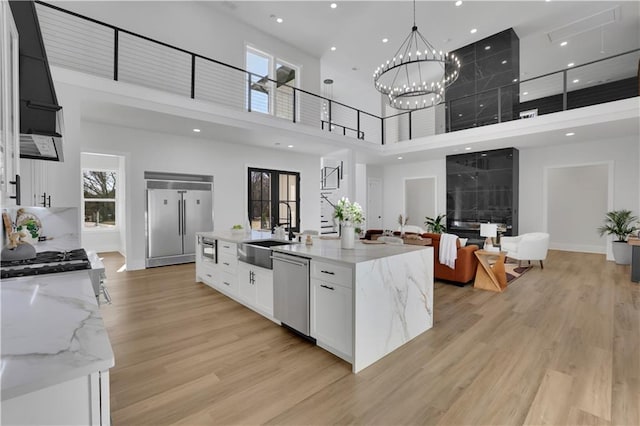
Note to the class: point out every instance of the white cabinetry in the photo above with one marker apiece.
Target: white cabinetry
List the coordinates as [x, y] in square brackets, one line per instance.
[256, 287]
[9, 109]
[81, 401]
[227, 268]
[332, 308]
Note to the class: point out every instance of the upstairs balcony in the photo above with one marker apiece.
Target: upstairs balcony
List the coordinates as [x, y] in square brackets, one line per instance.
[93, 47]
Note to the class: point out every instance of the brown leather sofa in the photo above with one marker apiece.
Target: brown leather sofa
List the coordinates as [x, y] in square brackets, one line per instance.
[466, 262]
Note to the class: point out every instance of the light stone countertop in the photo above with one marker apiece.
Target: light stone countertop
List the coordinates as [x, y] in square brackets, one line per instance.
[52, 332]
[327, 249]
[322, 249]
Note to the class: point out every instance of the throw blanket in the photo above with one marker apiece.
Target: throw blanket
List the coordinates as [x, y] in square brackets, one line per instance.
[448, 250]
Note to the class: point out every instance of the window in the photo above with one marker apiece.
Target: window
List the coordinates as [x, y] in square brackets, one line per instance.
[99, 199]
[272, 82]
[273, 196]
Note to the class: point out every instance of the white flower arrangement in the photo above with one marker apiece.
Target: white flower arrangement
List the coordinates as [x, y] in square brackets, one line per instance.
[348, 212]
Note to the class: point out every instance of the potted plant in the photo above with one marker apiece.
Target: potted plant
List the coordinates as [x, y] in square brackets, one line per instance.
[621, 224]
[348, 215]
[435, 225]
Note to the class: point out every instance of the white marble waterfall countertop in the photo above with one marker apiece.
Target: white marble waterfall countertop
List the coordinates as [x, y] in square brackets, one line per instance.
[240, 237]
[52, 331]
[331, 250]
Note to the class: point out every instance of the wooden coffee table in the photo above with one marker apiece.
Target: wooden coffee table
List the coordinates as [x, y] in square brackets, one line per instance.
[490, 277]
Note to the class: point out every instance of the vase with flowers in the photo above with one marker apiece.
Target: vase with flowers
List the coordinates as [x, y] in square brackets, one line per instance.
[402, 221]
[349, 215]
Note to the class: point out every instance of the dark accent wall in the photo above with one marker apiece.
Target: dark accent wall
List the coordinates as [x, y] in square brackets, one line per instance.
[608, 92]
[482, 187]
[483, 69]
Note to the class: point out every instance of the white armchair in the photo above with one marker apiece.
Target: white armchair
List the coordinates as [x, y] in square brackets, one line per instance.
[532, 246]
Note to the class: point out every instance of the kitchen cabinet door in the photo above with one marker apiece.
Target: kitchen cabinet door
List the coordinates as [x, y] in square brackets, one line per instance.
[246, 284]
[332, 317]
[9, 109]
[264, 290]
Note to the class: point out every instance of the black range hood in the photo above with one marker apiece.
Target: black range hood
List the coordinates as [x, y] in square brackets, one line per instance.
[40, 114]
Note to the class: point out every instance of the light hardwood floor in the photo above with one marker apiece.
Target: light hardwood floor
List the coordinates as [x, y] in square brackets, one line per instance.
[560, 346]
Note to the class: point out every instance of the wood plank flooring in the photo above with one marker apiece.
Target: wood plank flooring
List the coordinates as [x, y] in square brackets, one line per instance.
[560, 346]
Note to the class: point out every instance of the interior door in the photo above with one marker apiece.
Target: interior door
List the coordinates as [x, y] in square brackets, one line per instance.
[198, 216]
[164, 210]
[374, 203]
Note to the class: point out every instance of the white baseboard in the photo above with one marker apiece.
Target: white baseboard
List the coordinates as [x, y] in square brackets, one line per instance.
[581, 248]
[134, 265]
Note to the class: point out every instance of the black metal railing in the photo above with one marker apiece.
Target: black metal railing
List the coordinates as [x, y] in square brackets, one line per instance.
[82, 43]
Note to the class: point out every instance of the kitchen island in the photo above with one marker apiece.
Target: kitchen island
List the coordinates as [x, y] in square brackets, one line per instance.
[55, 351]
[364, 302]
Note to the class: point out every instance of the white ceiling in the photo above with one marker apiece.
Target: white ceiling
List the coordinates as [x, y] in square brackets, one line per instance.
[356, 29]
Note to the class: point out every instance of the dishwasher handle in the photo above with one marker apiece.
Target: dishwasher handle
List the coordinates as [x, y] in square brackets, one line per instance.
[293, 262]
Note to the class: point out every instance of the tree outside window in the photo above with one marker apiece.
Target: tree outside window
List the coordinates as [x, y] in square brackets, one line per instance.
[99, 199]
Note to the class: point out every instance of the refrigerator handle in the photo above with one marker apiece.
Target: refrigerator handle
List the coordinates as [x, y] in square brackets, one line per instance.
[184, 217]
[179, 218]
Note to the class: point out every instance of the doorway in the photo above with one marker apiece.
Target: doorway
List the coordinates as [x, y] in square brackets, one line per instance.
[420, 199]
[103, 203]
[374, 203]
[577, 199]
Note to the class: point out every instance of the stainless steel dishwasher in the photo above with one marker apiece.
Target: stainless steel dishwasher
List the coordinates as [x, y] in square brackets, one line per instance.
[291, 292]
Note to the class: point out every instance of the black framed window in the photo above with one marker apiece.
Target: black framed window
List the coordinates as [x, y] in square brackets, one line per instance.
[270, 192]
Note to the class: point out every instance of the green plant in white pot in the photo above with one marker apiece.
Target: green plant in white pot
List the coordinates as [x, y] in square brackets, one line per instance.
[621, 224]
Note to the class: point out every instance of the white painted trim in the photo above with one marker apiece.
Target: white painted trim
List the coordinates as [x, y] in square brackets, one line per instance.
[545, 205]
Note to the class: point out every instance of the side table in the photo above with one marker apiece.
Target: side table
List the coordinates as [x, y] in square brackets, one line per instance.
[488, 277]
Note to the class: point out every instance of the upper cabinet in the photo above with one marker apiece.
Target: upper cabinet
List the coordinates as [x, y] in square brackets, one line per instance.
[9, 109]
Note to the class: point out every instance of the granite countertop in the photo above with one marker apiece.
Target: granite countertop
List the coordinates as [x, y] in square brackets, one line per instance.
[322, 249]
[52, 332]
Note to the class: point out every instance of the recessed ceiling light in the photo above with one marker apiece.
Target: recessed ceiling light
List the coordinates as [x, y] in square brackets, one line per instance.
[459, 115]
[399, 158]
[576, 80]
[468, 148]
[333, 48]
[487, 48]
[289, 146]
[459, 3]
[279, 20]
[481, 105]
[570, 64]
[525, 93]
[196, 130]
[515, 80]
[333, 5]
[504, 62]
[569, 134]
[384, 40]
[563, 44]
[484, 154]
[473, 31]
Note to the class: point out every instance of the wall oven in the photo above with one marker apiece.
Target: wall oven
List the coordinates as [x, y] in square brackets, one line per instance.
[209, 249]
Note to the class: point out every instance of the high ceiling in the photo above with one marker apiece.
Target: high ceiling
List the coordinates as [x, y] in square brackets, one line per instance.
[592, 30]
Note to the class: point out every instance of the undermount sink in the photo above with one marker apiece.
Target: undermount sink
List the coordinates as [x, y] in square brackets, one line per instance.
[259, 252]
[269, 243]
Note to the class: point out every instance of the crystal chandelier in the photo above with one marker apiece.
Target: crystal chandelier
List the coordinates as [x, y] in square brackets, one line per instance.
[416, 76]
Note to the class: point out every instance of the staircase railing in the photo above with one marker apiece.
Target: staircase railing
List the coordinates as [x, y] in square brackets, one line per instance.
[85, 44]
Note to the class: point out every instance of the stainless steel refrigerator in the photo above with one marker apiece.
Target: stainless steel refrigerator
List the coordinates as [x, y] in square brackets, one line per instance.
[178, 206]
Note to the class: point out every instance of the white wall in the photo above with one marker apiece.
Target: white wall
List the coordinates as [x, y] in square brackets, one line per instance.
[228, 163]
[622, 152]
[198, 26]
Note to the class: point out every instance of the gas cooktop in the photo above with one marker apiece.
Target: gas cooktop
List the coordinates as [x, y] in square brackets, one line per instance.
[46, 262]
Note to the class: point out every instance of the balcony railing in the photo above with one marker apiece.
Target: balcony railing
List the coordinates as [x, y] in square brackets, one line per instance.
[88, 45]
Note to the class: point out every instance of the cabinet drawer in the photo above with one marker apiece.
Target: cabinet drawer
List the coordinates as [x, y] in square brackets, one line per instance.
[227, 262]
[338, 274]
[228, 282]
[208, 274]
[225, 247]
